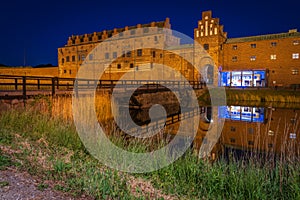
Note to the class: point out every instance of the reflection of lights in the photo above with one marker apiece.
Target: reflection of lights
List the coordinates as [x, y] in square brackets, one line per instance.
[211, 121]
[270, 133]
[292, 135]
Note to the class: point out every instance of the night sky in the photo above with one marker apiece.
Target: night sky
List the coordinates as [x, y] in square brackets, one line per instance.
[37, 28]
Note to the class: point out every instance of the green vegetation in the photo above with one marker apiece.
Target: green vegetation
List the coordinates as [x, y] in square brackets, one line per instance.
[255, 95]
[50, 148]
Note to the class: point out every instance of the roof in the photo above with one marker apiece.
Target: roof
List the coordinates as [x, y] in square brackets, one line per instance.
[290, 34]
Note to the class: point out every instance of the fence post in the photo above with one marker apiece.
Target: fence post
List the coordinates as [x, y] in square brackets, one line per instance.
[39, 86]
[53, 86]
[57, 82]
[16, 84]
[24, 86]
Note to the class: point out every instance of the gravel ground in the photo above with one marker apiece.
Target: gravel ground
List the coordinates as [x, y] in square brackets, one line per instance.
[15, 185]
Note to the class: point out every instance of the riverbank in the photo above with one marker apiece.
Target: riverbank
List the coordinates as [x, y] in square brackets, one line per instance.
[256, 95]
[49, 148]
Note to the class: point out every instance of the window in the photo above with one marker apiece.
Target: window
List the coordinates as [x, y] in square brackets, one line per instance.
[206, 46]
[123, 54]
[155, 38]
[250, 142]
[295, 72]
[131, 65]
[253, 45]
[82, 57]
[273, 44]
[293, 136]
[270, 145]
[132, 32]
[73, 58]
[106, 55]
[161, 55]
[91, 57]
[296, 42]
[139, 52]
[273, 57]
[90, 39]
[62, 60]
[81, 39]
[153, 54]
[234, 47]
[295, 55]
[65, 71]
[252, 58]
[70, 71]
[146, 30]
[115, 55]
[119, 66]
[250, 130]
[128, 54]
[232, 128]
[232, 140]
[68, 59]
[234, 59]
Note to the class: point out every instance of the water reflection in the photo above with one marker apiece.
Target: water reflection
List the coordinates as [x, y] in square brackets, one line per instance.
[266, 130]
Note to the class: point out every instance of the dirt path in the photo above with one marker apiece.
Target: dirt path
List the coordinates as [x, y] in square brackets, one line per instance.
[15, 185]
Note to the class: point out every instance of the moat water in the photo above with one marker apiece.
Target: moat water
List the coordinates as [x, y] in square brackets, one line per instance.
[248, 129]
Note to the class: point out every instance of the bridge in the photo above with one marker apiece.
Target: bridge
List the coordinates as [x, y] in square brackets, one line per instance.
[24, 87]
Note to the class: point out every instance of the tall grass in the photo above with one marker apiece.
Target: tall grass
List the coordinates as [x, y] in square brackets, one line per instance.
[67, 161]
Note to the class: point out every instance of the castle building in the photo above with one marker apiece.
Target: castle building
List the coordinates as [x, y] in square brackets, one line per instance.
[256, 61]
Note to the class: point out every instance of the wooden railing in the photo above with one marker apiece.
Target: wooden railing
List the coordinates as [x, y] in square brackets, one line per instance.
[35, 85]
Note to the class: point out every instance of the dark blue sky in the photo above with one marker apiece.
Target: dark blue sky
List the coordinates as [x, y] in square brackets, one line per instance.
[38, 28]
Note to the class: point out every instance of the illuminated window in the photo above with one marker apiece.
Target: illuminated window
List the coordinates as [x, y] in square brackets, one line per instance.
[295, 55]
[273, 44]
[234, 59]
[293, 136]
[253, 45]
[273, 57]
[296, 42]
[206, 46]
[234, 47]
[295, 72]
[139, 52]
[252, 58]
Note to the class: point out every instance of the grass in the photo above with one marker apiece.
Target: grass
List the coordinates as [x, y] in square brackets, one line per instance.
[255, 95]
[49, 147]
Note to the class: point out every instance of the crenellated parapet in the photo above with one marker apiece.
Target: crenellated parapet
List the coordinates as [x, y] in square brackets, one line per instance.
[103, 35]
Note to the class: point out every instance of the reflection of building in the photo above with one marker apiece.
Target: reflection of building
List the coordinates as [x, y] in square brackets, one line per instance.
[263, 129]
[277, 55]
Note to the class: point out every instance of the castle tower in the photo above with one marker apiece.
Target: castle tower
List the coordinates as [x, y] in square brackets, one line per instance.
[211, 36]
